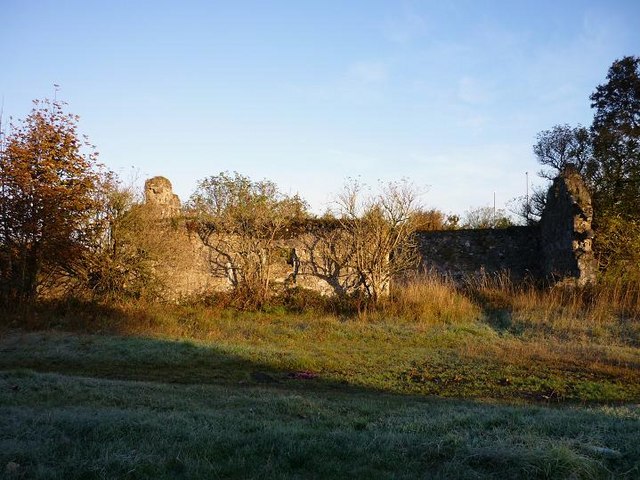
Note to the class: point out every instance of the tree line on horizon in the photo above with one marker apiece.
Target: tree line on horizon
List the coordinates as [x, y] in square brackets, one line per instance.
[67, 223]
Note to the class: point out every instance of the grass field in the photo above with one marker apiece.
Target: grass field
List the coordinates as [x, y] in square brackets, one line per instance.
[494, 382]
[62, 426]
[187, 392]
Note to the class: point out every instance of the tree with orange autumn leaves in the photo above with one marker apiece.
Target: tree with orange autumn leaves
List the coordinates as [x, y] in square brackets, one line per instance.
[49, 201]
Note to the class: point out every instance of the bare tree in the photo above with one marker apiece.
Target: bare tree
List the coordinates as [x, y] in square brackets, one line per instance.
[377, 231]
[563, 145]
[241, 222]
[328, 254]
[528, 209]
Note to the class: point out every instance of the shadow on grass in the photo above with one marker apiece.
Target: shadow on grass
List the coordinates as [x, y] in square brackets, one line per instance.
[267, 350]
[496, 310]
[212, 411]
[251, 411]
[152, 360]
[56, 426]
[112, 342]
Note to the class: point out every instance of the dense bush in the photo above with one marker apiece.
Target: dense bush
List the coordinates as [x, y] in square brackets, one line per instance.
[49, 202]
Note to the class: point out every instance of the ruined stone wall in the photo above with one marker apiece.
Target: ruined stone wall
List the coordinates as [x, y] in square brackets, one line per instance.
[558, 249]
[201, 274]
[565, 230]
[464, 253]
[194, 274]
[158, 194]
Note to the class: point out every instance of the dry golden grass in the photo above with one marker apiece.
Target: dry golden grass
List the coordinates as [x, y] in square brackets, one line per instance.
[608, 311]
[429, 300]
[492, 339]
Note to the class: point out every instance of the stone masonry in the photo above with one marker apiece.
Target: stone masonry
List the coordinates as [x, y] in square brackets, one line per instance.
[158, 193]
[565, 230]
[556, 250]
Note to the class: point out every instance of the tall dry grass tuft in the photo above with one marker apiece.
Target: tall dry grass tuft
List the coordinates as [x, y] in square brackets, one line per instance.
[607, 313]
[608, 310]
[429, 299]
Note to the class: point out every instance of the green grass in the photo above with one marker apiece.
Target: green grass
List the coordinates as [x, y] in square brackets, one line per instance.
[192, 409]
[65, 426]
[186, 392]
[472, 359]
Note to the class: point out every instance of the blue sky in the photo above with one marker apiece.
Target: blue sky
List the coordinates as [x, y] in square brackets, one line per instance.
[449, 94]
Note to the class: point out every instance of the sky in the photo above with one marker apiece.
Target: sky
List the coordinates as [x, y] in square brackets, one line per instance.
[448, 94]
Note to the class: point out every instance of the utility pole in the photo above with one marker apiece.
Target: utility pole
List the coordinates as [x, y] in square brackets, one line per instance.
[494, 209]
[1, 126]
[526, 205]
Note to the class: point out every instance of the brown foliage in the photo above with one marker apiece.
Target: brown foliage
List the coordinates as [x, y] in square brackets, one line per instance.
[48, 202]
[430, 220]
[138, 252]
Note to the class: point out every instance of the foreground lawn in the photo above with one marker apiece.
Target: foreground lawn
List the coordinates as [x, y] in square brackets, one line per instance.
[291, 397]
[59, 426]
[470, 359]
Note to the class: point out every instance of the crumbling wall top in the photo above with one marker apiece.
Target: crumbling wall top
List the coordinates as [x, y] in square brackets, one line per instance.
[565, 228]
[158, 193]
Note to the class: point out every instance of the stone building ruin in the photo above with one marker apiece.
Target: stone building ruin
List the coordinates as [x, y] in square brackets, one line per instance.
[158, 194]
[565, 230]
[558, 249]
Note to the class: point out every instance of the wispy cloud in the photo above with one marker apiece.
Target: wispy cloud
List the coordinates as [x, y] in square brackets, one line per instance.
[361, 82]
[405, 27]
[474, 123]
[470, 90]
[368, 72]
